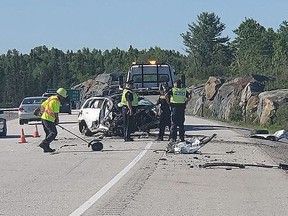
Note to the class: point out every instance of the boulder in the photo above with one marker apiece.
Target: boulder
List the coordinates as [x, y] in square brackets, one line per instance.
[269, 101]
[227, 97]
[103, 85]
[211, 87]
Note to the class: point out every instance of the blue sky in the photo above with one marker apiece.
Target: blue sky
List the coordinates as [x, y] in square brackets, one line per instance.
[107, 24]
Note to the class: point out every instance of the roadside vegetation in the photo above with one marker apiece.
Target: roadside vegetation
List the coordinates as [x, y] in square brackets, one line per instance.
[254, 50]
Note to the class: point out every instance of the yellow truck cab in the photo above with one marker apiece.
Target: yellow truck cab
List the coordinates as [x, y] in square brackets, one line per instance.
[147, 78]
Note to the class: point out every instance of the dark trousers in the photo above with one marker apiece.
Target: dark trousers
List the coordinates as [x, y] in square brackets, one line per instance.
[50, 131]
[165, 120]
[127, 123]
[177, 120]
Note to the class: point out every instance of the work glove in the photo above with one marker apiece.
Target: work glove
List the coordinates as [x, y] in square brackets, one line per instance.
[37, 112]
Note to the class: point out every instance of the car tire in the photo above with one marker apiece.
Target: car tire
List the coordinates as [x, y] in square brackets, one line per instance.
[84, 129]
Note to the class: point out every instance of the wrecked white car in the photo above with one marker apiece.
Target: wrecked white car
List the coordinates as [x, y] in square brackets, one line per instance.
[103, 115]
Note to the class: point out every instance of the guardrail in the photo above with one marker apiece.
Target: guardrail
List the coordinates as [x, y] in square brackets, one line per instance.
[8, 109]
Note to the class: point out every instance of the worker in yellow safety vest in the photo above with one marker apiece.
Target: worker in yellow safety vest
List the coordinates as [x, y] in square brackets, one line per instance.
[50, 109]
[178, 99]
[129, 103]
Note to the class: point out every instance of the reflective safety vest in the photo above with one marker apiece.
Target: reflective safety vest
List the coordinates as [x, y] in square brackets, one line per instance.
[178, 95]
[124, 101]
[50, 107]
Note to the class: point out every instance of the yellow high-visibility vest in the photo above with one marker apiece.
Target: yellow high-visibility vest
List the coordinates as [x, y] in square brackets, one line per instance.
[50, 107]
[124, 101]
[178, 96]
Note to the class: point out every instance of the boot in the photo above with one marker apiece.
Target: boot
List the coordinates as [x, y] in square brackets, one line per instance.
[45, 147]
[49, 150]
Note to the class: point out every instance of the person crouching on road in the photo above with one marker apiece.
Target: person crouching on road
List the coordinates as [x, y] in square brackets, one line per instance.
[179, 97]
[165, 113]
[129, 102]
[50, 109]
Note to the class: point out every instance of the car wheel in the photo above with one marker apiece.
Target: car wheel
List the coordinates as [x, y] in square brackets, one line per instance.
[84, 129]
[21, 122]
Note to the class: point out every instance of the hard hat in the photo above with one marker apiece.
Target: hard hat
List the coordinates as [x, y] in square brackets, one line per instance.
[62, 92]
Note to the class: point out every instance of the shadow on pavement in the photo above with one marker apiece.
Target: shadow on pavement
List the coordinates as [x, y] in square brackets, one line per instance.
[210, 127]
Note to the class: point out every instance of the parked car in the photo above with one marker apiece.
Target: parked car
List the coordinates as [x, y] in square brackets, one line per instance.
[66, 105]
[3, 125]
[102, 114]
[27, 107]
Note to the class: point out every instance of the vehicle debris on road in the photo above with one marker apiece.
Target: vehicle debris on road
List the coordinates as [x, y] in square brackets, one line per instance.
[243, 165]
[189, 146]
[264, 134]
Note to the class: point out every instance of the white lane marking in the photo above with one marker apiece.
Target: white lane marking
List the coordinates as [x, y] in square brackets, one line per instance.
[85, 206]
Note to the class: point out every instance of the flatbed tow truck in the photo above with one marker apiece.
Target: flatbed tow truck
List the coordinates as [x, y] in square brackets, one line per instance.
[148, 78]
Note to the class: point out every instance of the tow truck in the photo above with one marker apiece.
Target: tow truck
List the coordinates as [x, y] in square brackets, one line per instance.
[148, 78]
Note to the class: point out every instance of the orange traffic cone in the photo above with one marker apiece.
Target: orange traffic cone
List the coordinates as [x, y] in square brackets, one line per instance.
[22, 138]
[36, 133]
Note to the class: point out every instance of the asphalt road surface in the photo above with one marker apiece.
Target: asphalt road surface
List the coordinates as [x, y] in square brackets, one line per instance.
[139, 178]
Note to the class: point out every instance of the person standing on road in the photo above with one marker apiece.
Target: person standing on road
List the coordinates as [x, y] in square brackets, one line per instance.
[179, 97]
[50, 109]
[129, 102]
[165, 113]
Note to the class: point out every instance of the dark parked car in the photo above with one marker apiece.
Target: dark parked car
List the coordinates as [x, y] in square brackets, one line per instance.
[66, 105]
[3, 125]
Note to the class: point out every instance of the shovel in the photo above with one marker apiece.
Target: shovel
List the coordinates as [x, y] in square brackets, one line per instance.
[95, 144]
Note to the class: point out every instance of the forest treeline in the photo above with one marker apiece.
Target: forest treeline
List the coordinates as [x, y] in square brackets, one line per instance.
[254, 50]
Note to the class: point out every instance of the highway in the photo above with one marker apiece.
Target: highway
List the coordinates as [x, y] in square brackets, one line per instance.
[137, 178]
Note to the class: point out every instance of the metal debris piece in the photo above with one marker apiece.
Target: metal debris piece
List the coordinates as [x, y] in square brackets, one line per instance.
[240, 165]
[189, 146]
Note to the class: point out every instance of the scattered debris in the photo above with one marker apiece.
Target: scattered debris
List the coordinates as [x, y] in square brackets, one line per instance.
[239, 165]
[189, 146]
[264, 134]
[67, 145]
[230, 152]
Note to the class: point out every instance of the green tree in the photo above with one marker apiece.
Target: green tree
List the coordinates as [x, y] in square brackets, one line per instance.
[253, 47]
[280, 57]
[207, 49]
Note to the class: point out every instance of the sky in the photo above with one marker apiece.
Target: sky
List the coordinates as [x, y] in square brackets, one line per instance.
[107, 24]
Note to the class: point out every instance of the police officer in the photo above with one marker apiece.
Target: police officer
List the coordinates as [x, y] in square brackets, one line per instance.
[129, 102]
[165, 114]
[179, 97]
[50, 109]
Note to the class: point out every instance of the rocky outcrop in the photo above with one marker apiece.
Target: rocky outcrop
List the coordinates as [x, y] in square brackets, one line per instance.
[103, 84]
[245, 94]
[211, 86]
[269, 101]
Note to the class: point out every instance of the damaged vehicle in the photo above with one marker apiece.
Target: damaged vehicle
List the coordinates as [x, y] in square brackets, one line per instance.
[103, 115]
